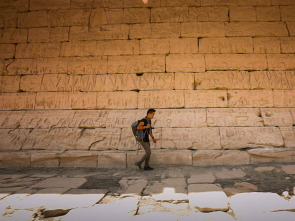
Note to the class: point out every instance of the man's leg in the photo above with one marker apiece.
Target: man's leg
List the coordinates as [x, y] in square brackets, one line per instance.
[146, 158]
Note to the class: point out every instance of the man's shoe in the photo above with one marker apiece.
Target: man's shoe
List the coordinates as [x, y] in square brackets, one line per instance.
[148, 168]
[138, 166]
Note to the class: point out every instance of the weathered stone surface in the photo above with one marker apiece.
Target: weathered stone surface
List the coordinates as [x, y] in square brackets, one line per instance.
[264, 169]
[280, 61]
[208, 14]
[229, 174]
[287, 216]
[14, 35]
[45, 159]
[20, 215]
[272, 80]
[191, 138]
[201, 178]
[242, 187]
[136, 15]
[288, 134]
[262, 155]
[183, 45]
[111, 160]
[284, 98]
[53, 34]
[154, 46]
[160, 157]
[117, 100]
[78, 159]
[7, 51]
[207, 197]
[208, 216]
[136, 64]
[268, 13]
[242, 13]
[184, 81]
[245, 137]
[72, 139]
[154, 30]
[288, 45]
[242, 203]
[250, 98]
[61, 182]
[173, 118]
[267, 45]
[132, 186]
[185, 63]
[122, 209]
[220, 157]
[8, 19]
[202, 29]
[155, 215]
[233, 117]
[14, 159]
[226, 45]
[161, 99]
[13, 139]
[222, 80]
[277, 117]
[9, 83]
[291, 28]
[38, 50]
[289, 169]
[17, 101]
[235, 62]
[161, 81]
[169, 14]
[205, 98]
[256, 29]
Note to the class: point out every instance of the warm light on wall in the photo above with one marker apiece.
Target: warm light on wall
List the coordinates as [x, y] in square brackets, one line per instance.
[145, 1]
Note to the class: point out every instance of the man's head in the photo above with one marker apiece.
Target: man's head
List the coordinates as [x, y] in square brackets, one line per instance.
[150, 113]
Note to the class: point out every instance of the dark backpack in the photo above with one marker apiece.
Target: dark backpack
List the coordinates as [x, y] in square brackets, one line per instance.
[138, 134]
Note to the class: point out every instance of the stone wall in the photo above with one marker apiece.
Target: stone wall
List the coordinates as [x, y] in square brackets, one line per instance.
[74, 75]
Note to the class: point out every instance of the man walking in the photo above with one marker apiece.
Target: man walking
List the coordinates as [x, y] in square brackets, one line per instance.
[145, 125]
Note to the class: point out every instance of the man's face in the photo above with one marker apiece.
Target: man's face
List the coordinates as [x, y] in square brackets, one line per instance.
[151, 115]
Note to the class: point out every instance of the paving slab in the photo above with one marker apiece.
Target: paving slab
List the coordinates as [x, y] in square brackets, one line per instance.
[132, 187]
[264, 169]
[229, 174]
[20, 215]
[214, 216]
[60, 182]
[122, 209]
[289, 169]
[10, 201]
[207, 197]
[172, 194]
[201, 178]
[244, 204]
[269, 216]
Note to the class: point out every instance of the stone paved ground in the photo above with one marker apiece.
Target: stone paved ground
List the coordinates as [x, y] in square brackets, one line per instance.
[261, 192]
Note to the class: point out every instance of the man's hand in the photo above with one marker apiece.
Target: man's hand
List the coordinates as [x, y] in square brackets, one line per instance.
[154, 140]
[148, 126]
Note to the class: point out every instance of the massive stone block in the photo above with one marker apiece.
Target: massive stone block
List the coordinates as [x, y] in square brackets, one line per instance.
[53, 100]
[268, 13]
[208, 14]
[70, 17]
[266, 155]
[250, 137]
[220, 157]
[288, 45]
[291, 28]
[180, 118]
[191, 138]
[136, 64]
[14, 159]
[78, 159]
[111, 160]
[45, 159]
[169, 14]
[103, 16]
[280, 61]
[264, 45]
[242, 13]
[72, 139]
[9, 83]
[17, 101]
[287, 13]
[117, 100]
[33, 19]
[185, 63]
[184, 45]
[235, 62]
[222, 80]
[7, 51]
[154, 30]
[13, 139]
[277, 117]
[284, 98]
[255, 29]
[161, 99]
[157, 81]
[288, 134]
[272, 80]
[234, 117]
[104, 32]
[38, 50]
[202, 29]
[55, 4]
[14, 35]
[205, 98]
[154, 46]
[54, 34]
[8, 19]
[250, 98]
[184, 81]
[226, 45]
[136, 15]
